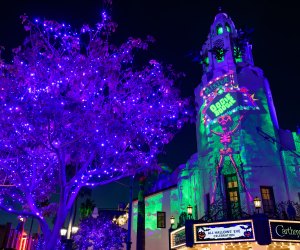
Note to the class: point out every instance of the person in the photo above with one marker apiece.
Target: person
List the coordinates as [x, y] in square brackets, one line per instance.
[291, 211]
[284, 215]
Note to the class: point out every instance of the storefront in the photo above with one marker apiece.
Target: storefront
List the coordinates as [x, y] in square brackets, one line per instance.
[258, 233]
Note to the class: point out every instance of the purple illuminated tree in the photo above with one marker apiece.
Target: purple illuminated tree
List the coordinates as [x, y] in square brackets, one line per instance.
[77, 111]
[99, 233]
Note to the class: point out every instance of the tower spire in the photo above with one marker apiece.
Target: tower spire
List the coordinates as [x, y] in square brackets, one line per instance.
[220, 6]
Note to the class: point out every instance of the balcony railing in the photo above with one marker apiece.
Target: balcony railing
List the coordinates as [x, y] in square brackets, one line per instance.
[219, 211]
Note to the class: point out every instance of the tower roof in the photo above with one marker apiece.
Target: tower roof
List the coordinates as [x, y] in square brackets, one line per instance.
[222, 18]
[225, 48]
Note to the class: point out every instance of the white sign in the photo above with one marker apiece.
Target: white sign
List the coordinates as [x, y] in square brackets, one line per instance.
[224, 231]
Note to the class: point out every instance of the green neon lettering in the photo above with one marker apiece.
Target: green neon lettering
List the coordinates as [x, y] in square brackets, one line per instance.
[214, 110]
[223, 104]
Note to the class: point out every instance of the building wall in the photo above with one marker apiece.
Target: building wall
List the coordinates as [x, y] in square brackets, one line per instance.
[262, 161]
[156, 238]
[257, 156]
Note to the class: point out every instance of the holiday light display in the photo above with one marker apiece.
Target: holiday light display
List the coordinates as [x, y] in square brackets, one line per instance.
[99, 233]
[77, 111]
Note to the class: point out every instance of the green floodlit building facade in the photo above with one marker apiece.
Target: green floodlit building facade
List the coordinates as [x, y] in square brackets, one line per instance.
[241, 154]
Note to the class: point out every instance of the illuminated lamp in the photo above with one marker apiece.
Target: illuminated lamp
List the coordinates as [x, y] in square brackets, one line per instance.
[190, 211]
[74, 230]
[257, 204]
[172, 221]
[63, 232]
[20, 218]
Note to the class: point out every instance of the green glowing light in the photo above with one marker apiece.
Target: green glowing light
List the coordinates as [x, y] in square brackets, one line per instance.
[134, 215]
[154, 204]
[206, 60]
[237, 54]
[221, 59]
[219, 30]
[227, 28]
[296, 138]
[220, 91]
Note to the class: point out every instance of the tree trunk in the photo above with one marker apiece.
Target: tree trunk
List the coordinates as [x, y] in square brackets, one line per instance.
[140, 237]
[51, 239]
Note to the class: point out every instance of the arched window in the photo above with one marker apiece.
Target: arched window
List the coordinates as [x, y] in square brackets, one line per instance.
[204, 59]
[228, 29]
[238, 54]
[219, 29]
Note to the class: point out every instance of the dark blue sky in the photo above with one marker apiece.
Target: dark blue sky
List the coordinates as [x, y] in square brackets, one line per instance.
[180, 28]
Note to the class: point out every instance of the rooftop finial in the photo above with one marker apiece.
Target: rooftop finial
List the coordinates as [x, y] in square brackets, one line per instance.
[220, 9]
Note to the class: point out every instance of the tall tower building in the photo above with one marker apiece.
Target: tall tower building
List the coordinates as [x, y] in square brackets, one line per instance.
[242, 156]
[237, 127]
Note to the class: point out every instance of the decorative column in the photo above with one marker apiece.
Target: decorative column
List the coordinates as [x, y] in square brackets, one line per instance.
[140, 237]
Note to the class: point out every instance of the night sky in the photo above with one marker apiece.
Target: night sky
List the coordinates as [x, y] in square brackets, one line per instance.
[180, 28]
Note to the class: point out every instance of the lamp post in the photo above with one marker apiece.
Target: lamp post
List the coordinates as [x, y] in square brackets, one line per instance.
[64, 240]
[190, 212]
[172, 221]
[257, 204]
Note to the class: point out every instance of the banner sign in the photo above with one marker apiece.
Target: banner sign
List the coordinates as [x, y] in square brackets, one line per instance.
[177, 237]
[224, 232]
[217, 83]
[282, 230]
[223, 96]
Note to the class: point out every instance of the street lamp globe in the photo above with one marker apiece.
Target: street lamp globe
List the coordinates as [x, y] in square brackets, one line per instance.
[74, 229]
[189, 211]
[63, 232]
[257, 203]
[172, 220]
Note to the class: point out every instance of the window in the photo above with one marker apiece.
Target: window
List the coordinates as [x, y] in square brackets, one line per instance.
[206, 61]
[218, 49]
[238, 54]
[238, 60]
[232, 182]
[268, 200]
[221, 59]
[219, 30]
[161, 219]
[232, 196]
[228, 29]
